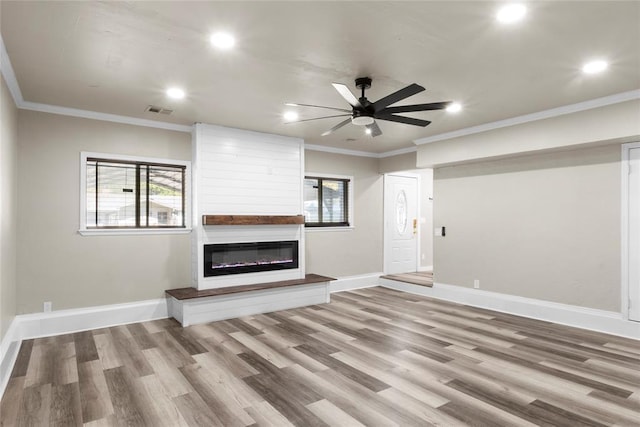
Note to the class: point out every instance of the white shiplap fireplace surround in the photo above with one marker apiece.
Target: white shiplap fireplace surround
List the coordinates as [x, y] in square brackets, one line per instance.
[244, 174]
[239, 172]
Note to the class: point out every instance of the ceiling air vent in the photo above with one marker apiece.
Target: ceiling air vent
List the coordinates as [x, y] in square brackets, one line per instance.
[158, 110]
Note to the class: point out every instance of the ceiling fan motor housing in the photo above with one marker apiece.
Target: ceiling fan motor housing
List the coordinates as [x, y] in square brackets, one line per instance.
[363, 83]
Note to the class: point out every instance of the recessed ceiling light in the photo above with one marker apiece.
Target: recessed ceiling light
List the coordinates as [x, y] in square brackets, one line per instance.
[594, 67]
[510, 13]
[175, 93]
[454, 107]
[290, 116]
[367, 131]
[223, 40]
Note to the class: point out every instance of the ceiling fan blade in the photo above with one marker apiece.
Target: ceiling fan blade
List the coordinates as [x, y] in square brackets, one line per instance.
[416, 107]
[402, 119]
[347, 95]
[408, 91]
[317, 118]
[375, 129]
[336, 127]
[291, 104]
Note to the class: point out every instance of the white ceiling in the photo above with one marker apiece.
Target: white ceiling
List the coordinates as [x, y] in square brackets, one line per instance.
[119, 57]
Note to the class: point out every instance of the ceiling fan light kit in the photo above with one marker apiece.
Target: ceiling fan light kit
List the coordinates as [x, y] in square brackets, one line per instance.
[362, 120]
[365, 113]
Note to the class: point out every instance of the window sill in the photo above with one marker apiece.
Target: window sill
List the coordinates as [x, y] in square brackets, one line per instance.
[320, 229]
[133, 232]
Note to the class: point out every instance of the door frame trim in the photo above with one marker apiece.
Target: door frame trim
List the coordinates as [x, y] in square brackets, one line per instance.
[624, 228]
[385, 239]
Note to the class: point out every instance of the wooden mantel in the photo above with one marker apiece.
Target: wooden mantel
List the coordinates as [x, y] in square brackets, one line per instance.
[252, 219]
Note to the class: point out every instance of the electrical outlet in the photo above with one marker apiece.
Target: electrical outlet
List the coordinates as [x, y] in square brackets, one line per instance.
[476, 284]
[47, 306]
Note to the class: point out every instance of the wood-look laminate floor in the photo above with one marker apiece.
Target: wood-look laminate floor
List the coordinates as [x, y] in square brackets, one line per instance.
[373, 357]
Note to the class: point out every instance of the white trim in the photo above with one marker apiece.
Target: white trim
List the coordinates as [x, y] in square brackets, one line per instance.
[344, 151]
[397, 152]
[358, 153]
[425, 268]
[624, 227]
[95, 115]
[139, 231]
[36, 325]
[582, 317]
[133, 232]
[9, 76]
[9, 348]
[540, 115]
[358, 281]
[12, 82]
[58, 322]
[350, 203]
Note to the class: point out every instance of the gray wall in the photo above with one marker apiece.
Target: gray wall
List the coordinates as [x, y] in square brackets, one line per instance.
[348, 252]
[401, 162]
[426, 217]
[8, 206]
[57, 264]
[543, 226]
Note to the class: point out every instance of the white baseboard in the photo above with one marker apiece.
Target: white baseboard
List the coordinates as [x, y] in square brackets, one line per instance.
[426, 268]
[359, 281]
[27, 326]
[9, 348]
[581, 317]
[82, 319]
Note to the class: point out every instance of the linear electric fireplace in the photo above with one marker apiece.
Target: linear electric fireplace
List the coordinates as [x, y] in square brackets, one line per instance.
[237, 258]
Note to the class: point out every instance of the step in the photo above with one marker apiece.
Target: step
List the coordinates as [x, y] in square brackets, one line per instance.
[190, 306]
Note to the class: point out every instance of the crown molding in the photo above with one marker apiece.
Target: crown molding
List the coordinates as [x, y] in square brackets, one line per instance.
[9, 76]
[87, 114]
[397, 152]
[12, 82]
[358, 153]
[344, 151]
[540, 115]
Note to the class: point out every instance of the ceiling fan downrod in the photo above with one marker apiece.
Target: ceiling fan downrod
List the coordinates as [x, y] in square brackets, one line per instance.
[363, 83]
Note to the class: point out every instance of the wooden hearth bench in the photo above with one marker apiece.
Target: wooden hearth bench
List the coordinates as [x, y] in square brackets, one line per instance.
[190, 306]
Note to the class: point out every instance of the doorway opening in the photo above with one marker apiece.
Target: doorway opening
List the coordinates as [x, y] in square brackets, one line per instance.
[408, 226]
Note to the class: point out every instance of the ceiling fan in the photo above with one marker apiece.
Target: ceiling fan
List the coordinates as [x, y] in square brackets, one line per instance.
[364, 112]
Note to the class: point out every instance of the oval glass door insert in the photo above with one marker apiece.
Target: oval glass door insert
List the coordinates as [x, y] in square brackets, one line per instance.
[401, 212]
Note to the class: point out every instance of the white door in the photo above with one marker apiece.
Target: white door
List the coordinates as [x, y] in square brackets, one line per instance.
[400, 223]
[634, 234]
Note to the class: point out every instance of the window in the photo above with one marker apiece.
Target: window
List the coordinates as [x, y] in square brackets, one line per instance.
[127, 193]
[327, 201]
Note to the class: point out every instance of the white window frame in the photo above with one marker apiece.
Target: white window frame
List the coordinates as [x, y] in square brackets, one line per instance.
[350, 203]
[132, 231]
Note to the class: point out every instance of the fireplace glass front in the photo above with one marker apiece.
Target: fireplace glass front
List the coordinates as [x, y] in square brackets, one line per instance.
[237, 258]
